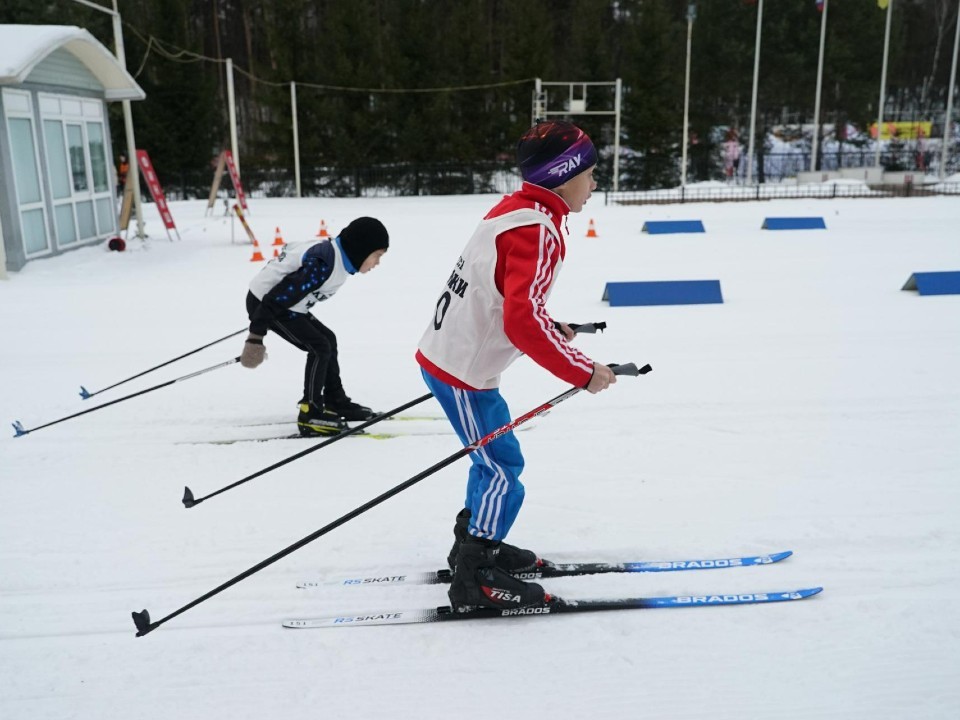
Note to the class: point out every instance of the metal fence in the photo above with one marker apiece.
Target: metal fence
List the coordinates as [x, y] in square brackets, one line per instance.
[392, 180]
[777, 191]
[638, 174]
[779, 166]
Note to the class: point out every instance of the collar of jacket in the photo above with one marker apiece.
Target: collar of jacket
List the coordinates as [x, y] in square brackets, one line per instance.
[343, 256]
[553, 202]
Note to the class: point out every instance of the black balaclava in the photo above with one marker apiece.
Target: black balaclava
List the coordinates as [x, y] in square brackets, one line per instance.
[362, 237]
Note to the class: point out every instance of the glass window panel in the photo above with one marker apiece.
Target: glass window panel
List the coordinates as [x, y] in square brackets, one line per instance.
[66, 229]
[57, 158]
[34, 231]
[106, 220]
[24, 160]
[70, 105]
[92, 109]
[49, 105]
[98, 156]
[88, 228]
[16, 101]
[78, 160]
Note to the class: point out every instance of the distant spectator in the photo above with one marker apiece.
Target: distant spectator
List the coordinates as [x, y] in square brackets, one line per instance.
[731, 155]
[123, 167]
[921, 154]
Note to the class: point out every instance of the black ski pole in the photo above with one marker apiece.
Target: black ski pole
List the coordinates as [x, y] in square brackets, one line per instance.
[86, 394]
[142, 619]
[189, 500]
[20, 430]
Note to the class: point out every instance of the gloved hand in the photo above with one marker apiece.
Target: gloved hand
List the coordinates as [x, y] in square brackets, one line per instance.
[254, 352]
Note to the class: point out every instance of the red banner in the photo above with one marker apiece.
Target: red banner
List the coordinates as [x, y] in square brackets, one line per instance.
[153, 182]
[235, 179]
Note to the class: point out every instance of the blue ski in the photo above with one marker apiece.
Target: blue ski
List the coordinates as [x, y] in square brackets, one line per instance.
[555, 606]
[552, 570]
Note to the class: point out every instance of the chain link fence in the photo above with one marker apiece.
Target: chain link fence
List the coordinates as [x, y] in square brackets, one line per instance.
[652, 174]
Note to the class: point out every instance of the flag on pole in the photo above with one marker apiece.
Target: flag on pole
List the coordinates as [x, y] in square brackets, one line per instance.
[819, 5]
[882, 4]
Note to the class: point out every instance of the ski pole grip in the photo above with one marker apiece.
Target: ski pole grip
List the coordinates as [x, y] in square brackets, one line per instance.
[630, 369]
[587, 328]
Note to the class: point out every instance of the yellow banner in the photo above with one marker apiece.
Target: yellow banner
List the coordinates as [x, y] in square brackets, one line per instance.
[902, 130]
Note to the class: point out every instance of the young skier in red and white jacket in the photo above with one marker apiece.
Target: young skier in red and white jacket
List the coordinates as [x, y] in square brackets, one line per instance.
[492, 310]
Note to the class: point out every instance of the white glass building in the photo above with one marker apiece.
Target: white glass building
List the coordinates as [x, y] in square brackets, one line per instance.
[57, 178]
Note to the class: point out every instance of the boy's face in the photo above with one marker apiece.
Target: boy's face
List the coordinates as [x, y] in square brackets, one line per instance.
[373, 259]
[577, 190]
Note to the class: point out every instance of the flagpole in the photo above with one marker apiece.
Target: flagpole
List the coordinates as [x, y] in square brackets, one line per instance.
[753, 101]
[883, 82]
[691, 16]
[816, 106]
[948, 122]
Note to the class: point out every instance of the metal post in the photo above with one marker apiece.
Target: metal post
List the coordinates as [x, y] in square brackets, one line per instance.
[537, 104]
[134, 169]
[296, 136]
[883, 83]
[948, 119]
[618, 94]
[232, 110]
[753, 102]
[691, 16]
[816, 106]
[3, 254]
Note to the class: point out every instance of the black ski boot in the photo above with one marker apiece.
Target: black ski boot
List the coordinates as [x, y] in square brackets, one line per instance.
[479, 582]
[348, 409]
[510, 558]
[313, 421]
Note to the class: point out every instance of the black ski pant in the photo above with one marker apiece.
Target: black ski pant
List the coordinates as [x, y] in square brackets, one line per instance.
[321, 375]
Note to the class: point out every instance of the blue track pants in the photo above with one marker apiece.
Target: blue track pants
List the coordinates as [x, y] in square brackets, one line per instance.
[494, 490]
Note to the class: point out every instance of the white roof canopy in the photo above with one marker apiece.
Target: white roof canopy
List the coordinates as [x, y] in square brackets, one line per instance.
[22, 47]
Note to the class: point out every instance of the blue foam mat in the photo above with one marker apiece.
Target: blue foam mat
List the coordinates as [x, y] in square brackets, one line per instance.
[945, 282]
[663, 292]
[663, 227]
[794, 223]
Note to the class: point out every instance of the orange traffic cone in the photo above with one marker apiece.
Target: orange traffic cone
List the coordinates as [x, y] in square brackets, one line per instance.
[278, 239]
[257, 255]
[276, 252]
[323, 230]
[592, 230]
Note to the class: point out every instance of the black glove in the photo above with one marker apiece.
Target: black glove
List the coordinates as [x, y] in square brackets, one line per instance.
[254, 352]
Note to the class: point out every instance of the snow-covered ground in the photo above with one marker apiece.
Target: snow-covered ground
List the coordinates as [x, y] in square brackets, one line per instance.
[816, 410]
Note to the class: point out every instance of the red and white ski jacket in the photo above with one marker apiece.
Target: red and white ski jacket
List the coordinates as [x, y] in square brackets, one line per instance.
[493, 307]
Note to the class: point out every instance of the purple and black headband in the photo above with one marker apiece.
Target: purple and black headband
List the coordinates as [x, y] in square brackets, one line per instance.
[552, 152]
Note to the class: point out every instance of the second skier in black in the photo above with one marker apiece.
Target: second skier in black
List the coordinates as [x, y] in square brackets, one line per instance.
[280, 298]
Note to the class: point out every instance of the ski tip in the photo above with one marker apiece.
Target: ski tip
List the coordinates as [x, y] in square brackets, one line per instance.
[808, 592]
[18, 429]
[142, 621]
[777, 557]
[84, 393]
[188, 499]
